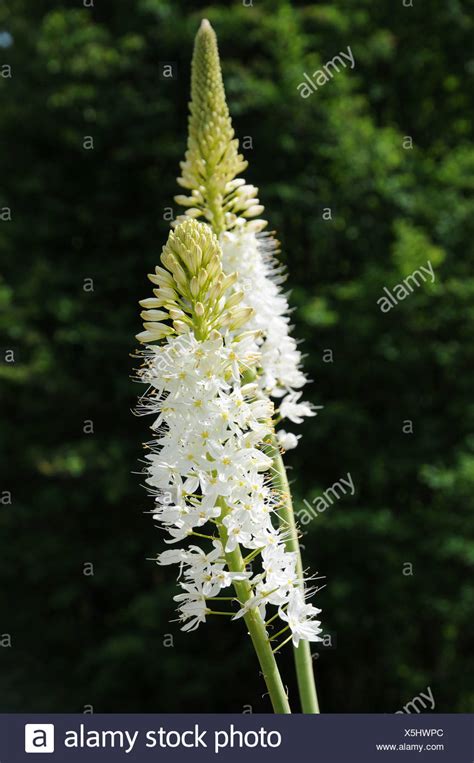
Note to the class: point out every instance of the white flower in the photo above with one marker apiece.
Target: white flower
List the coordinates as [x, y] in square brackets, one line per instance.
[299, 617]
[238, 529]
[287, 440]
[291, 409]
[193, 607]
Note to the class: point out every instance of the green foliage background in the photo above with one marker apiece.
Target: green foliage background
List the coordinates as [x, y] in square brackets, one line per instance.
[100, 640]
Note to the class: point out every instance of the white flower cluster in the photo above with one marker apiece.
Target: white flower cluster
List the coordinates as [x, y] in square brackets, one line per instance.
[207, 467]
[251, 254]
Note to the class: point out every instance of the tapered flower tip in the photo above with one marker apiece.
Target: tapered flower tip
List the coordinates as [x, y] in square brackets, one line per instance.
[214, 195]
[206, 54]
[206, 41]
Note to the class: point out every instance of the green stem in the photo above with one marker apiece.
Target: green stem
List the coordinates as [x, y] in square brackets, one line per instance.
[302, 652]
[214, 204]
[255, 625]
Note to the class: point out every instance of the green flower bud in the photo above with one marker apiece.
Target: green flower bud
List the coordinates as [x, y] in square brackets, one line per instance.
[191, 293]
[212, 161]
